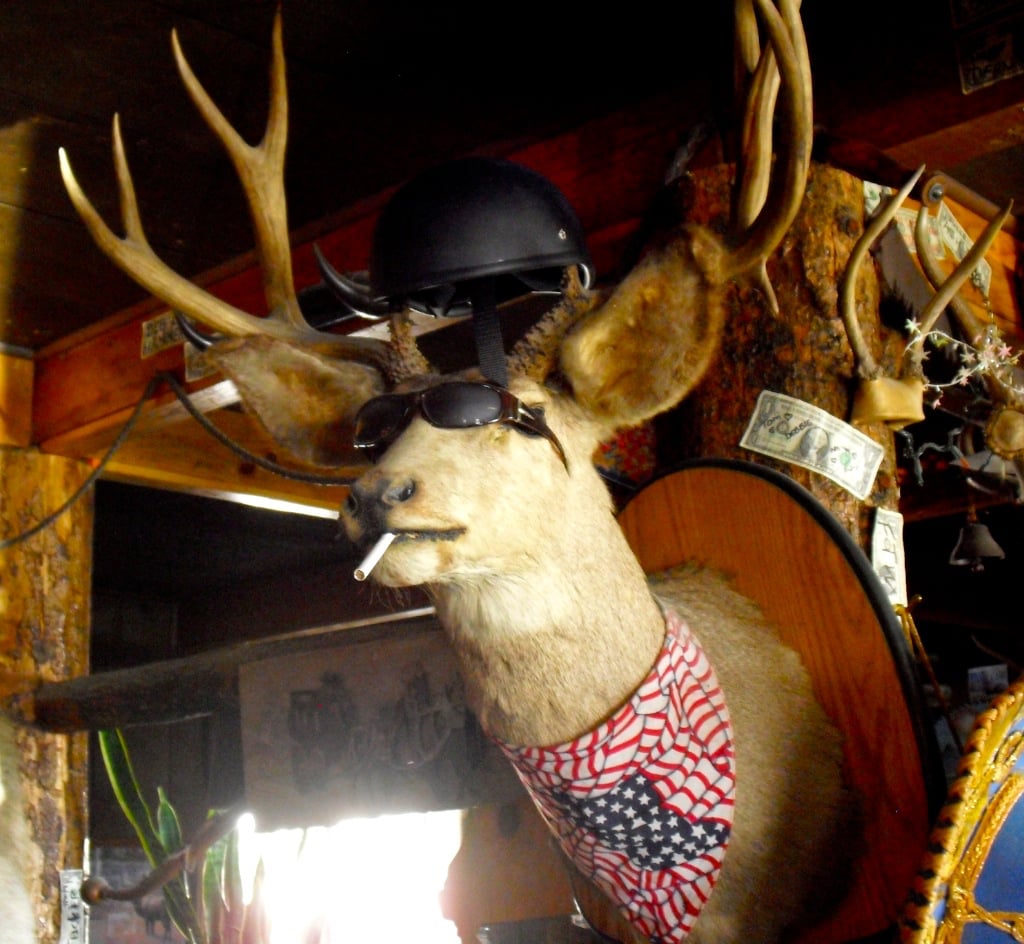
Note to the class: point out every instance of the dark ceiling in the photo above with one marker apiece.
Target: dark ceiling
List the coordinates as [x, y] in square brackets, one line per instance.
[380, 89]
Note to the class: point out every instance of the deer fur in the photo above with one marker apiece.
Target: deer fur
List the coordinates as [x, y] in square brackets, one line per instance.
[554, 625]
[553, 622]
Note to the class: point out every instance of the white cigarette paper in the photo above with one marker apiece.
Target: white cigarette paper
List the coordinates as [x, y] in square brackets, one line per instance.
[376, 553]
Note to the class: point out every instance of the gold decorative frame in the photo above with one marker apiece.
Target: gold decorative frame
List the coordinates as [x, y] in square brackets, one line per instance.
[989, 783]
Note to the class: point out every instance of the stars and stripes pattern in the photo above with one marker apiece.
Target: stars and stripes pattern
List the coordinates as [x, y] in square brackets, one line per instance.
[644, 803]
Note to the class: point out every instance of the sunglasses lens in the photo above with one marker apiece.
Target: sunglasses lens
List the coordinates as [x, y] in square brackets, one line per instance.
[455, 405]
[461, 405]
[380, 420]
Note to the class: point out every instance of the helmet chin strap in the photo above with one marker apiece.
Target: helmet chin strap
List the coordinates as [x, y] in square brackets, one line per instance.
[490, 347]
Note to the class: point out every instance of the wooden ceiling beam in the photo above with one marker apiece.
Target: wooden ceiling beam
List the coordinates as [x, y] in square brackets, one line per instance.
[16, 373]
[961, 143]
[181, 456]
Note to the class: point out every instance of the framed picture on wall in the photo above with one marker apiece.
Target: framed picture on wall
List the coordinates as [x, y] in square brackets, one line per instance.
[361, 730]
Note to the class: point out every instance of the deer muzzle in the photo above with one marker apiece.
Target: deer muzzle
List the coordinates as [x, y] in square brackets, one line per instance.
[369, 501]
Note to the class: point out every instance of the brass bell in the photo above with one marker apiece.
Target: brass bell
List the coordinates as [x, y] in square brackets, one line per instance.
[974, 546]
[895, 401]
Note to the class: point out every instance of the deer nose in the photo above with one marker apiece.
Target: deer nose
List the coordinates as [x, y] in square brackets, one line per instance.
[372, 499]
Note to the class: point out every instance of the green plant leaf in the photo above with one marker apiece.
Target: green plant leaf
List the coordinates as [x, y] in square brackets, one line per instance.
[212, 891]
[168, 825]
[129, 796]
[176, 893]
[125, 785]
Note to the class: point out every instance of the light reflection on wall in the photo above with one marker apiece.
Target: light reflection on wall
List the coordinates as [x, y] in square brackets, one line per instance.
[376, 879]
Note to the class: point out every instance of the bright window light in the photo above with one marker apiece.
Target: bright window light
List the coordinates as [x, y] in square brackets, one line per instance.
[376, 879]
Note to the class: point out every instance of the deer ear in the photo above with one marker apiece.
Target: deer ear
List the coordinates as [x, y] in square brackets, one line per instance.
[643, 350]
[304, 398]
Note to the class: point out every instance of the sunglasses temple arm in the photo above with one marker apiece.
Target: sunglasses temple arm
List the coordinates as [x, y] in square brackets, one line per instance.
[555, 444]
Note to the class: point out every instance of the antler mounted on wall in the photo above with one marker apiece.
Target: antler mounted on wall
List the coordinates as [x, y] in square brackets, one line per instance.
[348, 369]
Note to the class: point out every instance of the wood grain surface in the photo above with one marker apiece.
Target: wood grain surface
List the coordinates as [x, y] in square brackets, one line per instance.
[782, 550]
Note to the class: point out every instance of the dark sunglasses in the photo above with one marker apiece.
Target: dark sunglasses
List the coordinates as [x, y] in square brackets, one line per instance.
[455, 405]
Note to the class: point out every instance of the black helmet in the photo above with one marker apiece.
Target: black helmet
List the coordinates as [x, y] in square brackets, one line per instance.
[471, 220]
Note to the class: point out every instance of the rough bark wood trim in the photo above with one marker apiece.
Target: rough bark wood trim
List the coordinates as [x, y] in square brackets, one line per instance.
[44, 638]
[802, 352]
[178, 689]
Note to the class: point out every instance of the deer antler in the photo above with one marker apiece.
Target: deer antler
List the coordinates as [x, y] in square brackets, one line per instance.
[746, 42]
[669, 312]
[947, 288]
[754, 164]
[867, 366]
[785, 192]
[261, 170]
[895, 401]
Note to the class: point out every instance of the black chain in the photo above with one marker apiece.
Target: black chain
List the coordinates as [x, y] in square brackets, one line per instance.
[313, 477]
[93, 475]
[182, 395]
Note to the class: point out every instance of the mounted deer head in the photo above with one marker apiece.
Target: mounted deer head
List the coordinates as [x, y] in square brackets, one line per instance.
[495, 507]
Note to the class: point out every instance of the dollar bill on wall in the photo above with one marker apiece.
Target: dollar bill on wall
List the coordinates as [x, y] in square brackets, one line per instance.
[807, 436]
[887, 557]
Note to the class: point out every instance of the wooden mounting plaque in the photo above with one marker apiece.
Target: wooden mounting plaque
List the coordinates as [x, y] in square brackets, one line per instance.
[786, 552]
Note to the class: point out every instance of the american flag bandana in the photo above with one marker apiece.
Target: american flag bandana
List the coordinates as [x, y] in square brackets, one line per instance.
[643, 804]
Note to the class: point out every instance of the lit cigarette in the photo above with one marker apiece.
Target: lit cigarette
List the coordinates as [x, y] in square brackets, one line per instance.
[376, 553]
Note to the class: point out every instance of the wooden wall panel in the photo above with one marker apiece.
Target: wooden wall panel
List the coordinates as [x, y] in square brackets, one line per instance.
[15, 400]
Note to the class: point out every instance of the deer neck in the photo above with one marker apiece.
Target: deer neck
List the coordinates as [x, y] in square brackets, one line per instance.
[550, 651]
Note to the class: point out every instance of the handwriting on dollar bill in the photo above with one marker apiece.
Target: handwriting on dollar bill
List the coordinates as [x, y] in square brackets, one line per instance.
[805, 435]
[887, 554]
